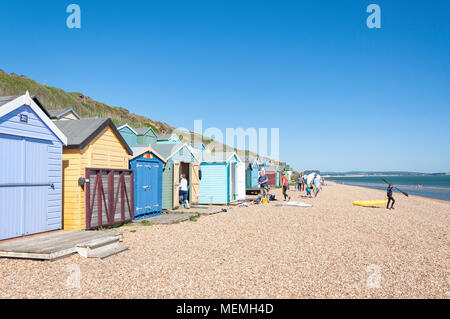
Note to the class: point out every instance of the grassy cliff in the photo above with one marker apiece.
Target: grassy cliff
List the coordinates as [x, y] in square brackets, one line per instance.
[54, 98]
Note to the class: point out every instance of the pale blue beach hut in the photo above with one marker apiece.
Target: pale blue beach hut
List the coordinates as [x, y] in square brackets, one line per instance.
[146, 136]
[222, 178]
[128, 134]
[31, 169]
[252, 172]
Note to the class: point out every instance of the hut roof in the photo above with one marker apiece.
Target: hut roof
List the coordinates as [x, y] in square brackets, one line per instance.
[168, 150]
[165, 137]
[57, 114]
[126, 125]
[217, 157]
[7, 99]
[137, 151]
[80, 133]
[143, 130]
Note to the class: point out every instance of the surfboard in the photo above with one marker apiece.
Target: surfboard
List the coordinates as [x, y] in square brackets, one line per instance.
[370, 202]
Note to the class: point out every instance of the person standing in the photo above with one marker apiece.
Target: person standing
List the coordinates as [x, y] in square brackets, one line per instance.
[300, 182]
[263, 182]
[316, 182]
[285, 185]
[184, 191]
[390, 198]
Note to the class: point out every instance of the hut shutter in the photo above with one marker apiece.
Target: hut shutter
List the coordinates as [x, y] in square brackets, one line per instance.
[194, 182]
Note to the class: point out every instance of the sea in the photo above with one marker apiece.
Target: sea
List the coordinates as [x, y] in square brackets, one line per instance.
[432, 186]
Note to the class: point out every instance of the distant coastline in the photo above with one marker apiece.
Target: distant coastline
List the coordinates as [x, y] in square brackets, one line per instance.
[380, 173]
[374, 175]
[431, 185]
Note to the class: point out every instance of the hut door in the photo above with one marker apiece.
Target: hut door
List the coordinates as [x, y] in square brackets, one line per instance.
[194, 182]
[176, 184]
[144, 188]
[233, 195]
[109, 197]
[241, 181]
[24, 186]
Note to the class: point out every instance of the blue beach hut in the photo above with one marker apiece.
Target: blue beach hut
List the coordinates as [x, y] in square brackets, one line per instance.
[148, 171]
[31, 169]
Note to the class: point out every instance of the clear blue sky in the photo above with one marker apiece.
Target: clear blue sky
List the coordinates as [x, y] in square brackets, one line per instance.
[345, 97]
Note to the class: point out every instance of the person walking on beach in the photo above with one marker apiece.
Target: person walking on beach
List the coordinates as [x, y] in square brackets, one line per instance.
[263, 182]
[184, 191]
[285, 184]
[301, 183]
[390, 198]
[316, 186]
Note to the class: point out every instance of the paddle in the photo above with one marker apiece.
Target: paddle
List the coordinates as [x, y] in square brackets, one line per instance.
[406, 194]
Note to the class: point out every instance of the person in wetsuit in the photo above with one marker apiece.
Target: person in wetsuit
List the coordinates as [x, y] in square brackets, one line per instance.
[390, 198]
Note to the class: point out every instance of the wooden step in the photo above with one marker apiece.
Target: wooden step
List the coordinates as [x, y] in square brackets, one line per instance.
[97, 246]
[98, 242]
[105, 252]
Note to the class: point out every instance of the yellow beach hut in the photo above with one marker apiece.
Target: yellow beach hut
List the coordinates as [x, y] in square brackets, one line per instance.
[98, 187]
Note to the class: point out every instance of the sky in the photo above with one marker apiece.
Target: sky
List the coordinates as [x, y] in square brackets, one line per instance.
[344, 97]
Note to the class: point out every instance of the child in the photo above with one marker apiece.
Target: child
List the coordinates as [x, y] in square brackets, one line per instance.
[184, 191]
[308, 191]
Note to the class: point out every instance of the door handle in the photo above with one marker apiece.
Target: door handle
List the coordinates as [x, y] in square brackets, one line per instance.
[29, 184]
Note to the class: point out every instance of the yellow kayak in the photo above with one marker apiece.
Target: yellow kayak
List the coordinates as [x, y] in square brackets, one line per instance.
[370, 202]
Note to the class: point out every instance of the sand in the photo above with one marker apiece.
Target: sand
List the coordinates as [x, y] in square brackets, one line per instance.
[330, 250]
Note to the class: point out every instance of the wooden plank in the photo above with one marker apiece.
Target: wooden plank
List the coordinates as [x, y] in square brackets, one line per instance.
[56, 244]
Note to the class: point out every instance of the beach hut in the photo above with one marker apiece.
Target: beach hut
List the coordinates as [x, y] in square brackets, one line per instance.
[67, 114]
[222, 178]
[198, 146]
[147, 166]
[31, 169]
[59, 114]
[252, 173]
[168, 139]
[146, 136]
[98, 186]
[272, 173]
[180, 159]
[128, 134]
